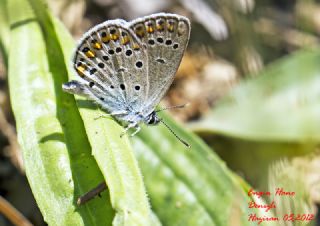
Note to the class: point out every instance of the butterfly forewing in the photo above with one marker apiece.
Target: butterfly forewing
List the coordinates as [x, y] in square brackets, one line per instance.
[166, 37]
[113, 64]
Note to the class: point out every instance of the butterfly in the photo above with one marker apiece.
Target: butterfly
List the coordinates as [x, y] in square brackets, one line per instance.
[127, 67]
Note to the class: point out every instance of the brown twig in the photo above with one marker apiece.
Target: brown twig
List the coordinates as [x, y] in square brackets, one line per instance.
[12, 213]
[91, 194]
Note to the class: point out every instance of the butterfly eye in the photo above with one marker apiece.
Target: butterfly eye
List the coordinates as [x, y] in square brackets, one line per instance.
[175, 46]
[122, 86]
[91, 84]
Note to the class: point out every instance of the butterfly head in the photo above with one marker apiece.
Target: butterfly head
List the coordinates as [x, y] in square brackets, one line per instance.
[152, 119]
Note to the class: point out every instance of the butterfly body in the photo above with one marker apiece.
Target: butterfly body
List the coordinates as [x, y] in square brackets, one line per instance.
[127, 67]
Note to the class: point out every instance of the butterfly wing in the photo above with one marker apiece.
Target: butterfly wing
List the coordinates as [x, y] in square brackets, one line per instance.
[110, 61]
[166, 37]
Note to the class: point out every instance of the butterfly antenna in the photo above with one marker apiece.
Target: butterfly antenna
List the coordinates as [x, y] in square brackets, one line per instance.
[182, 141]
[176, 106]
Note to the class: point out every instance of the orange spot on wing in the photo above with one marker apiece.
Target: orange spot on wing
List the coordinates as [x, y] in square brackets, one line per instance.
[97, 45]
[90, 54]
[150, 29]
[105, 39]
[125, 40]
[160, 27]
[136, 46]
[114, 37]
[170, 28]
[140, 33]
[81, 69]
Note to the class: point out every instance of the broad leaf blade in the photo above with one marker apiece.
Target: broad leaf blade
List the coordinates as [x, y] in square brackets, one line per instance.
[189, 186]
[282, 104]
[58, 161]
[4, 30]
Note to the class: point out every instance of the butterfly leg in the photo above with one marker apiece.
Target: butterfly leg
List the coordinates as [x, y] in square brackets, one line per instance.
[138, 128]
[112, 114]
[131, 125]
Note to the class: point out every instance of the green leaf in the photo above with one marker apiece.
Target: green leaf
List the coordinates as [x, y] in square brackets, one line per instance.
[4, 30]
[281, 104]
[189, 186]
[267, 118]
[58, 164]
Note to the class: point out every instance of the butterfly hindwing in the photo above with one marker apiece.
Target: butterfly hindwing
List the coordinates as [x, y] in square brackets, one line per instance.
[166, 37]
[111, 62]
